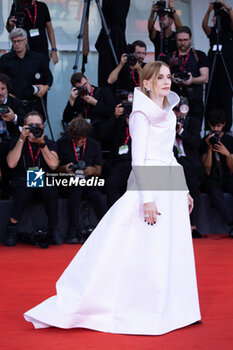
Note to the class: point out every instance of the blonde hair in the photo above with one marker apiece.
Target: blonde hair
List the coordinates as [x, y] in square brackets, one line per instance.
[150, 70]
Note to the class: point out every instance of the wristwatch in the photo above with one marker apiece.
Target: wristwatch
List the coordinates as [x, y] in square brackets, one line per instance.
[54, 49]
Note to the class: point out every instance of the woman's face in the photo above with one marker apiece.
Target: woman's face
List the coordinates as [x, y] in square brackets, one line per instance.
[162, 85]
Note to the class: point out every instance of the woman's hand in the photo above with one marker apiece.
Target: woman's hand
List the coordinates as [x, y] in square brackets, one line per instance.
[150, 212]
[190, 203]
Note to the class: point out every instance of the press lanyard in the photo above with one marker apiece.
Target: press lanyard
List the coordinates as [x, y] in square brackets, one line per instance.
[86, 110]
[75, 151]
[127, 136]
[35, 15]
[30, 149]
[133, 76]
[185, 61]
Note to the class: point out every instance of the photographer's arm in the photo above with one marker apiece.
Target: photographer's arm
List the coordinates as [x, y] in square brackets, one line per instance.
[220, 148]
[50, 157]
[15, 154]
[150, 24]
[176, 18]
[113, 76]
[52, 40]
[202, 79]
[10, 24]
[93, 170]
[207, 157]
[205, 26]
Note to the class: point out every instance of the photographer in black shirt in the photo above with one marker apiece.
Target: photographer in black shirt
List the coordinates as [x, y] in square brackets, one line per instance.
[80, 156]
[217, 156]
[95, 104]
[32, 150]
[169, 36]
[116, 133]
[126, 75]
[34, 17]
[11, 117]
[28, 70]
[187, 145]
[190, 71]
[220, 94]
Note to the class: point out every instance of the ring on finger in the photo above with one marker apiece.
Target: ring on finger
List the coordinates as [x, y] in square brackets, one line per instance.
[147, 215]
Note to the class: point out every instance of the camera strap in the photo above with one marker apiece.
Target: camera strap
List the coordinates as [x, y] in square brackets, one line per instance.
[35, 15]
[137, 83]
[75, 151]
[31, 153]
[127, 136]
[183, 65]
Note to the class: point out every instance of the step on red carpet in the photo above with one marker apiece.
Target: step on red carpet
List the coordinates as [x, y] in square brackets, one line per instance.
[28, 275]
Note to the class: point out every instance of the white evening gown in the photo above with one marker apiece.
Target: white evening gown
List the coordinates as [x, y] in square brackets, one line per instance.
[130, 277]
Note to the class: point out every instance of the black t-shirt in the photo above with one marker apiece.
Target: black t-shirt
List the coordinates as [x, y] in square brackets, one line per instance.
[196, 60]
[227, 141]
[22, 72]
[98, 114]
[37, 43]
[25, 161]
[128, 78]
[92, 153]
[169, 45]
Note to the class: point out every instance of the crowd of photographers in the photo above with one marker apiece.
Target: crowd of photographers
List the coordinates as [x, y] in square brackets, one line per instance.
[96, 141]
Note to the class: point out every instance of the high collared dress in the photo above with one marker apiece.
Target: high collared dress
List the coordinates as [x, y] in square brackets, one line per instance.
[130, 277]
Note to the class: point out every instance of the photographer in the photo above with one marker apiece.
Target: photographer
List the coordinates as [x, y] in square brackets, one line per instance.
[34, 17]
[81, 156]
[190, 71]
[28, 71]
[187, 145]
[117, 134]
[32, 151]
[95, 104]
[217, 156]
[11, 117]
[166, 19]
[220, 94]
[127, 73]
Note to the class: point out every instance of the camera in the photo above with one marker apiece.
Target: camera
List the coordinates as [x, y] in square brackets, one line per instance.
[181, 76]
[79, 168]
[215, 138]
[217, 8]
[125, 98]
[82, 91]
[36, 130]
[161, 7]
[4, 109]
[19, 7]
[132, 59]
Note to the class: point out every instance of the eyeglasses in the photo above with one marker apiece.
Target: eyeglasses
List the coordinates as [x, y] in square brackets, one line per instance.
[17, 41]
[181, 40]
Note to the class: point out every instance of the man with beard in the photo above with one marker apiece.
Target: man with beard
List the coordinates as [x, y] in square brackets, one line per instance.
[190, 71]
[127, 73]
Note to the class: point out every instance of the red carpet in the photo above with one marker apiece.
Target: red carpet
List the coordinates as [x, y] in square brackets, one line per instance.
[28, 275]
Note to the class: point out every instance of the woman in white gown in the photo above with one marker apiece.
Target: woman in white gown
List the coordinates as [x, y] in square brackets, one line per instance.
[136, 273]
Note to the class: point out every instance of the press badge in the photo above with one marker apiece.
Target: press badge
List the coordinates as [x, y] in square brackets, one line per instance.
[34, 32]
[123, 149]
